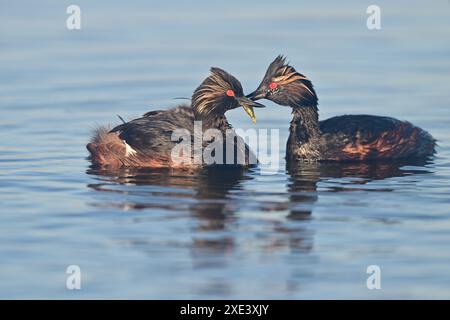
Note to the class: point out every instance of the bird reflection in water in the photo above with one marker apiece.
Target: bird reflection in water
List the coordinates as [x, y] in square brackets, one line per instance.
[303, 190]
[216, 197]
[213, 207]
[305, 176]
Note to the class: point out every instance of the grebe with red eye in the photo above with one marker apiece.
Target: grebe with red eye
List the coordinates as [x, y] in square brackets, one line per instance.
[273, 85]
[230, 93]
[147, 141]
[342, 138]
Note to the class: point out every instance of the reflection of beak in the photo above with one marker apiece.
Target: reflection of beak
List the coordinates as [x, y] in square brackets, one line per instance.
[257, 94]
[248, 106]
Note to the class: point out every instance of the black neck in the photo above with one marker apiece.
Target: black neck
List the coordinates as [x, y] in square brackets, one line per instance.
[304, 138]
[305, 123]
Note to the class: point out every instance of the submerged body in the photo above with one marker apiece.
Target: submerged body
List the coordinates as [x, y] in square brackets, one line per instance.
[149, 142]
[342, 138]
[143, 142]
[358, 138]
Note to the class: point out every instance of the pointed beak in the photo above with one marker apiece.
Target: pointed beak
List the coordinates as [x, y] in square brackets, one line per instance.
[248, 106]
[257, 94]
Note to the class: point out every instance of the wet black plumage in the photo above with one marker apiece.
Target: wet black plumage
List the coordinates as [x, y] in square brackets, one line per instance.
[151, 134]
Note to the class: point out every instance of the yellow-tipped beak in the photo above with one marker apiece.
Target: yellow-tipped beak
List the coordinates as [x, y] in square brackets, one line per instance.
[248, 106]
[250, 112]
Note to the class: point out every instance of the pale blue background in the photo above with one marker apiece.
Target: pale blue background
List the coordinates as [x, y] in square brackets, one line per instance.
[131, 57]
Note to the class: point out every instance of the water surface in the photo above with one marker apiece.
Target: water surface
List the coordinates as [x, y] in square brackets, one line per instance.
[308, 232]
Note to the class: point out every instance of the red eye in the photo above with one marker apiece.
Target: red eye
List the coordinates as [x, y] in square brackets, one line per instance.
[230, 93]
[273, 85]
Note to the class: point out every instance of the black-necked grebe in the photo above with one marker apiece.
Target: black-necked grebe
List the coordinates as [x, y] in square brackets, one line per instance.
[342, 138]
[147, 141]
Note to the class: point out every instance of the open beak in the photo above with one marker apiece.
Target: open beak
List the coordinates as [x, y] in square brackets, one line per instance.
[257, 94]
[248, 106]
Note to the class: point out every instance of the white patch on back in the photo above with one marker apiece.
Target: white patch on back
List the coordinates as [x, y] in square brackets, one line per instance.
[129, 150]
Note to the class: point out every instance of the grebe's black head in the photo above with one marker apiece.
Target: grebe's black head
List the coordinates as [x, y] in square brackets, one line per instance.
[285, 86]
[219, 93]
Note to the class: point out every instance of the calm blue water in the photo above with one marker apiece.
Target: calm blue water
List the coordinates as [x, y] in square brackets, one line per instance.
[139, 234]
